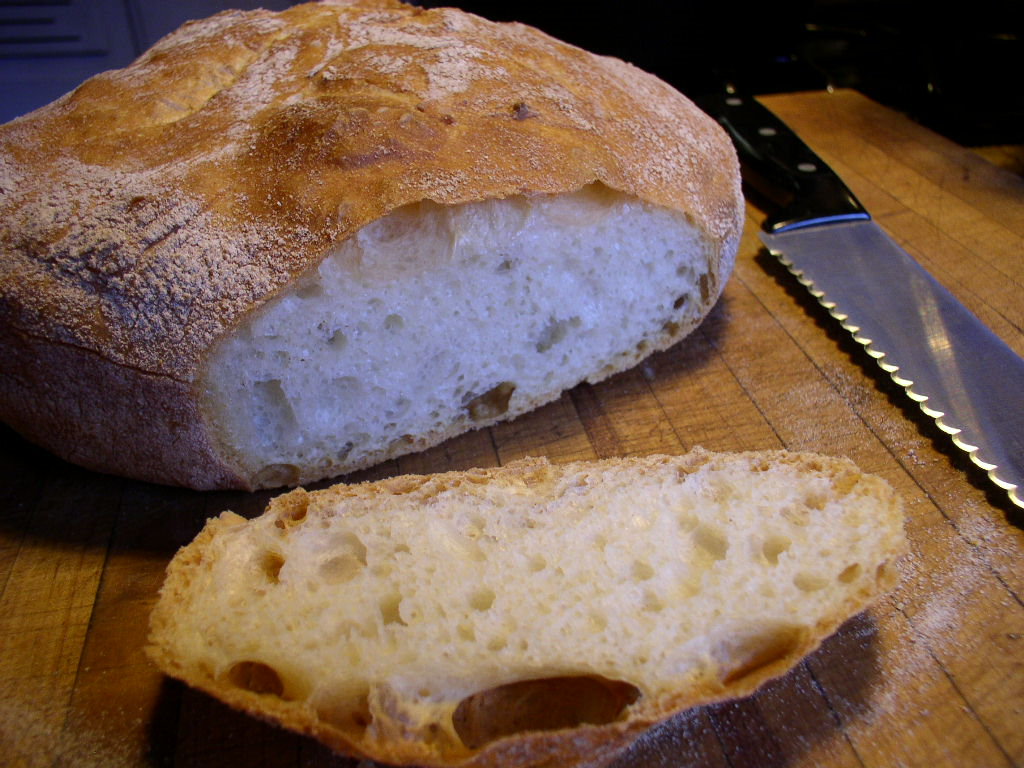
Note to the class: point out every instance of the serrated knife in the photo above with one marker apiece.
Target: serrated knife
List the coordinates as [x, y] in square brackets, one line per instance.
[960, 373]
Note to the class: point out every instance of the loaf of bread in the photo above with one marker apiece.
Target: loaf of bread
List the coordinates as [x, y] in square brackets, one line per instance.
[283, 246]
[529, 615]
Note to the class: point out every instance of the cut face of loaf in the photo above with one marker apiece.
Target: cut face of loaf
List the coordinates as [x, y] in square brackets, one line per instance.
[280, 247]
[525, 614]
[438, 319]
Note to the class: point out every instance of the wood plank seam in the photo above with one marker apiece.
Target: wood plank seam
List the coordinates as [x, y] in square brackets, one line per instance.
[92, 609]
[494, 445]
[967, 707]
[600, 431]
[840, 723]
[749, 394]
[716, 729]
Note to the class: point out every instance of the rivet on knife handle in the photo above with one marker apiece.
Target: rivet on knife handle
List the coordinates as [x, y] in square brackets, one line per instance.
[960, 373]
[813, 193]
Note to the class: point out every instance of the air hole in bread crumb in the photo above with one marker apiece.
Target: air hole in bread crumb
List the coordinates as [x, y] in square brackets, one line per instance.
[394, 322]
[482, 599]
[492, 403]
[295, 507]
[652, 603]
[711, 540]
[773, 547]
[271, 564]
[466, 633]
[815, 499]
[390, 609]
[537, 563]
[496, 644]
[476, 525]
[849, 573]
[688, 588]
[337, 340]
[350, 714]
[256, 677]
[554, 332]
[882, 572]
[340, 569]
[807, 582]
[349, 559]
[687, 521]
[276, 475]
[641, 571]
[753, 651]
[540, 705]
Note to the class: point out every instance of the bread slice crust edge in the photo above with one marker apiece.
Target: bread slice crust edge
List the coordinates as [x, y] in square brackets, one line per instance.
[584, 743]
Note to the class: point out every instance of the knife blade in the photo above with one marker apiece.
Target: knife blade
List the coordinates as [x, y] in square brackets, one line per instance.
[953, 366]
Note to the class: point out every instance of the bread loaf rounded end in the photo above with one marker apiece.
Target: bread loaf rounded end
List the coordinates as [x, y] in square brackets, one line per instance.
[454, 219]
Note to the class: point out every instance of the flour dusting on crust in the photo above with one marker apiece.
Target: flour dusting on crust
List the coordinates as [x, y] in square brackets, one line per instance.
[163, 200]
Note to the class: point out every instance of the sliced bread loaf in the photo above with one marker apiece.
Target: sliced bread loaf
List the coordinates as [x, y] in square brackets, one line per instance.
[280, 247]
[534, 614]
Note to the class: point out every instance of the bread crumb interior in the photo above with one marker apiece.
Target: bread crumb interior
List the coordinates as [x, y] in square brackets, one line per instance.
[437, 319]
[427, 609]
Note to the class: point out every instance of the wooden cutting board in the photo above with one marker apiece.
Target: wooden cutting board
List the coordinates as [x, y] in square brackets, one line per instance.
[932, 676]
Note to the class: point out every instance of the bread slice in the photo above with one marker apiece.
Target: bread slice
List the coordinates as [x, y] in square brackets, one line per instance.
[529, 615]
[280, 247]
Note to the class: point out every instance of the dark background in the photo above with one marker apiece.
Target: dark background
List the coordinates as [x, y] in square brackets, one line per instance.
[955, 68]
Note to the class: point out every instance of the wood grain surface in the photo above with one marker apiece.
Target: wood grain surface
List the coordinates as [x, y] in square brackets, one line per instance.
[932, 676]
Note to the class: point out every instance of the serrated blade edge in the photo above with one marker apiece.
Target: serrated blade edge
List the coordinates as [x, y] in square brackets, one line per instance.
[859, 275]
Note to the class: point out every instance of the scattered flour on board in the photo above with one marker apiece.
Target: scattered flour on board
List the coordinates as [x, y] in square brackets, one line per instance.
[33, 736]
[928, 637]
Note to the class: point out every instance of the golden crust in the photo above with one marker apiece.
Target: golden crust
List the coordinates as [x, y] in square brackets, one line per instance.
[146, 212]
[83, 414]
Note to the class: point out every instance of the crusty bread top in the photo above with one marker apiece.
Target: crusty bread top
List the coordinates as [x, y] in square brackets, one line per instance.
[142, 214]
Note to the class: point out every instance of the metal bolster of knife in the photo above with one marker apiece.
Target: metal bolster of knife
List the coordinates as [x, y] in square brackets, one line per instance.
[811, 193]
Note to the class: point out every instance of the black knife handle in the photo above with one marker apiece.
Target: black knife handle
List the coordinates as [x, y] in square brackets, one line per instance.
[813, 193]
